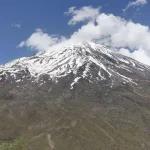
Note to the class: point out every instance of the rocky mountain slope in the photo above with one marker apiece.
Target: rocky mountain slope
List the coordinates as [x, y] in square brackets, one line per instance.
[78, 97]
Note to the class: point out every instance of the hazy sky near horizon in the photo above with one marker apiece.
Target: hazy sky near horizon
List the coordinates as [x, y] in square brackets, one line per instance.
[28, 27]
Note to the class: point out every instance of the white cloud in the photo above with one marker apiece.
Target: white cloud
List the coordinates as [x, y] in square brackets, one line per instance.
[135, 3]
[85, 13]
[41, 41]
[139, 55]
[16, 25]
[113, 31]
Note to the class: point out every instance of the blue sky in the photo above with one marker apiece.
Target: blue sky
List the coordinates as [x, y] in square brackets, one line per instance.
[19, 19]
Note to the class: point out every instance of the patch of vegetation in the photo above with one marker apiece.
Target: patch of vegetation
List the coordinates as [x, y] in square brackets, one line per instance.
[17, 144]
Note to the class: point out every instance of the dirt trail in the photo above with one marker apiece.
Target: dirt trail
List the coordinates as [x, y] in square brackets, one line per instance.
[50, 142]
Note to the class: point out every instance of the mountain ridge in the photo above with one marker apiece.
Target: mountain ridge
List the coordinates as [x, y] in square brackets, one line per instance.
[59, 63]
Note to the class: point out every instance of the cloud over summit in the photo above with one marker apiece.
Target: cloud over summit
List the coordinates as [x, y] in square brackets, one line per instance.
[126, 37]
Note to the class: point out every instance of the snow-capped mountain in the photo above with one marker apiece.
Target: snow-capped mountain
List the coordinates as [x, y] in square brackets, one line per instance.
[58, 63]
[78, 97]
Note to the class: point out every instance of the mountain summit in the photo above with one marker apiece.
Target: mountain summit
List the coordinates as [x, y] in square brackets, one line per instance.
[78, 97]
[90, 61]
